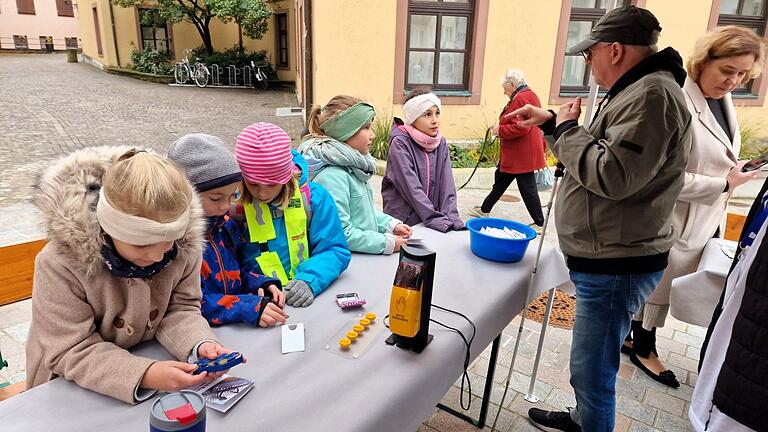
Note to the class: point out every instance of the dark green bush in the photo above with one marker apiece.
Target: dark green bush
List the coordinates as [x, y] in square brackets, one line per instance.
[152, 61]
[233, 56]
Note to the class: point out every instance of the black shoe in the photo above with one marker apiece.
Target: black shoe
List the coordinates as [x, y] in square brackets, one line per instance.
[553, 420]
[667, 377]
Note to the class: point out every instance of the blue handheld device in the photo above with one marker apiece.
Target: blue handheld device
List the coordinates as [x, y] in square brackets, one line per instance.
[220, 363]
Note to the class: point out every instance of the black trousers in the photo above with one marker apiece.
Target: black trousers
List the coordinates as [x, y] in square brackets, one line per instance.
[526, 182]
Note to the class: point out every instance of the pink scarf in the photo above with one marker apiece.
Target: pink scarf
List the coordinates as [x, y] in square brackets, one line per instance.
[428, 143]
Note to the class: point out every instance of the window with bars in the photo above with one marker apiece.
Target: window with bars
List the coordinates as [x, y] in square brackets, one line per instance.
[282, 40]
[70, 42]
[20, 42]
[154, 30]
[438, 41]
[745, 13]
[584, 16]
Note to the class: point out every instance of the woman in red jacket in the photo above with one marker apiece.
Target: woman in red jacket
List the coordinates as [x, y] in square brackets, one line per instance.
[522, 151]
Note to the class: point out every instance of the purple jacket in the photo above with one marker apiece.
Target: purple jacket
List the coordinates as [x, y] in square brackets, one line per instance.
[405, 191]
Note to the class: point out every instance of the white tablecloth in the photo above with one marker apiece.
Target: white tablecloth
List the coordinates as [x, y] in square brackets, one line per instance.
[693, 297]
[388, 389]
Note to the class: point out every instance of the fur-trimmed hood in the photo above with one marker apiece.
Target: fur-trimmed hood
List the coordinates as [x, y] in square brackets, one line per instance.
[66, 194]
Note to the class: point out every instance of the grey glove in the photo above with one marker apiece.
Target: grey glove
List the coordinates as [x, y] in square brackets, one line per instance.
[298, 293]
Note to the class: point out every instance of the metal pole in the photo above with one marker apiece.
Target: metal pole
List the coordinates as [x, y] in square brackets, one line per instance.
[530, 396]
[558, 173]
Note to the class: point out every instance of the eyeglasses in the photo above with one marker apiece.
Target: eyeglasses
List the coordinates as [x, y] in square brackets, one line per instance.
[587, 54]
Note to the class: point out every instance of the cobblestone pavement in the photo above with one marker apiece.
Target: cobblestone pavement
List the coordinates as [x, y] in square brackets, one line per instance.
[51, 107]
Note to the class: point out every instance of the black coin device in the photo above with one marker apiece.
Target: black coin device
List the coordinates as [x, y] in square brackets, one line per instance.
[411, 299]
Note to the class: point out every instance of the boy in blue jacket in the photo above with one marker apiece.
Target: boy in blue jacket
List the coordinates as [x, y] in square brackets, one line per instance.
[293, 231]
[230, 294]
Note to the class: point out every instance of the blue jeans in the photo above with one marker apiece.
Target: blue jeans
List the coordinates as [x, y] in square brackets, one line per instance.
[605, 305]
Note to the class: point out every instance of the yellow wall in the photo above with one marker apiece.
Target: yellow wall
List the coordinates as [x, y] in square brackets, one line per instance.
[184, 36]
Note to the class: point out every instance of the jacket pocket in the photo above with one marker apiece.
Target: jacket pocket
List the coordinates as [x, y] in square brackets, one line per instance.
[686, 214]
[590, 215]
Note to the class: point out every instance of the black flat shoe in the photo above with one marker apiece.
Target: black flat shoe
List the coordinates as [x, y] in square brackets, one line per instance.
[667, 377]
[626, 350]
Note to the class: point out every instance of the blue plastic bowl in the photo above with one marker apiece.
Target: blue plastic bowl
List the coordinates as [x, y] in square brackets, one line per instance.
[498, 249]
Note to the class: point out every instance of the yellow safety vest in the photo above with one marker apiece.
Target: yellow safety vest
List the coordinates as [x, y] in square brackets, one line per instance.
[261, 229]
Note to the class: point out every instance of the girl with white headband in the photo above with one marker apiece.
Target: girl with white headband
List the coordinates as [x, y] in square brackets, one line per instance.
[418, 184]
[338, 154]
[122, 266]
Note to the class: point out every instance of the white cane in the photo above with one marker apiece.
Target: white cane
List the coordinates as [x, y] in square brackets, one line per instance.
[558, 173]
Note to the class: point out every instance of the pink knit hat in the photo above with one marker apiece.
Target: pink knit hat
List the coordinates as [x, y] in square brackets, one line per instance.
[263, 152]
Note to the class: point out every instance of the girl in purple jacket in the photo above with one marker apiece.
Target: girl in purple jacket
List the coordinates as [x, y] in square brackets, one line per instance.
[418, 184]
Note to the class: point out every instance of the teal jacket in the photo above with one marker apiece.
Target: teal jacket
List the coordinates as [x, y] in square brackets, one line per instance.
[366, 229]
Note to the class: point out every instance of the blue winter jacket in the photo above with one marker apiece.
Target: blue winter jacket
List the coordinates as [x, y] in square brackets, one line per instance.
[329, 254]
[229, 292]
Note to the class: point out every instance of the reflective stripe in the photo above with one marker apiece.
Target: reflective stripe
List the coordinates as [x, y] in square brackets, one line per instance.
[261, 229]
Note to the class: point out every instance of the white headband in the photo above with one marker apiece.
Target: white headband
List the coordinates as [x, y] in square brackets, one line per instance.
[414, 108]
[137, 230]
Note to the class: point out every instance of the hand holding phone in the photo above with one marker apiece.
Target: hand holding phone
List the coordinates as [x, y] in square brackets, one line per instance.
[755, 163]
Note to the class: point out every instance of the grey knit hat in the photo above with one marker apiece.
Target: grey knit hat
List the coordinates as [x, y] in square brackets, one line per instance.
[205, 161]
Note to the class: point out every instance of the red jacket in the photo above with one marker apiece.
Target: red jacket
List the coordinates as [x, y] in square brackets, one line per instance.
[522, 148]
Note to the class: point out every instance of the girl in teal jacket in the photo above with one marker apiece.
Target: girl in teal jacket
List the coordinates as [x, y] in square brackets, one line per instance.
[292, 230]
[337, 152]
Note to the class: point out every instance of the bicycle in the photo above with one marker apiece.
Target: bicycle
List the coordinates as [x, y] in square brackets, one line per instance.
[198, 71]
[260, 74]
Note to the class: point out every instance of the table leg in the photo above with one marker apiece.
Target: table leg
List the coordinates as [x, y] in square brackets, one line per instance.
[480, 422]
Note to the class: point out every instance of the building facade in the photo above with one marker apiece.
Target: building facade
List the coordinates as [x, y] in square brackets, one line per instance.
[380, 50]
[32, 25]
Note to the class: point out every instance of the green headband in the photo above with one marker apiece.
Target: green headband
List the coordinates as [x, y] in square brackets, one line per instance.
[346, 123]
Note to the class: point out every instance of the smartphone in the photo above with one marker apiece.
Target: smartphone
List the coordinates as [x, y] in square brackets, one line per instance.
[755, 163]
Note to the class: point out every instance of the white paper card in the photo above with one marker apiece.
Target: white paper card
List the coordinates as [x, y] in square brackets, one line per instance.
[293, 338]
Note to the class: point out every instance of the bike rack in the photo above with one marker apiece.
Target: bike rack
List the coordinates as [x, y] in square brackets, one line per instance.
[216, 73]
[247, 71]
[232, 73]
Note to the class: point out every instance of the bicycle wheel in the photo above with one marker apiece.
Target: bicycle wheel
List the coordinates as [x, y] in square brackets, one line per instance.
[202, 74]
[181, 73]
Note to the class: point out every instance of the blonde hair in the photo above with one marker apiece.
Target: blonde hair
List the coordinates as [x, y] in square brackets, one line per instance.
[146, 185]
[728, 41]
[318, 115]
[283, 199]
[514, 78]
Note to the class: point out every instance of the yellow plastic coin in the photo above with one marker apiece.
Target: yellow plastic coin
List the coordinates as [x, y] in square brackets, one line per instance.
[371, 316]
[365, 322]
[358, 328]
[345, 343]
[352, 335]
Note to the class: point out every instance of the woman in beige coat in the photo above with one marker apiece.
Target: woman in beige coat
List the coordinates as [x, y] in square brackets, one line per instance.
[122, 266]
[722, 60]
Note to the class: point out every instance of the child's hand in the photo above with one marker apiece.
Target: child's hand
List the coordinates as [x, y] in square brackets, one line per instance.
[399, 242]
[211, 350]
[277, 295]
[403, 230]
[171, 376]
[272, 315]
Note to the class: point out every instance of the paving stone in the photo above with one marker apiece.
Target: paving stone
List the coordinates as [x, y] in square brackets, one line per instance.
[692, 377]
[9, 345]
[684, 392]
[18, 332]
[684, 362]
[630, 389]
[687, 339]
[670, 345]
[693, 353]
[561, 398]
[636, 410]
[621, 423]
[521, 406]
[636, 426]
[665, 402]
[671, 423]
[697, 330]
[13, 314]
[524, 425]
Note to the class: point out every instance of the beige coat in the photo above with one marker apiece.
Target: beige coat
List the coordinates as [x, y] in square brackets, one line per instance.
[84, 319]
[701, 204]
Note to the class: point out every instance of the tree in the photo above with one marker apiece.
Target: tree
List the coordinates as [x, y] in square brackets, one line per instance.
[251, 15]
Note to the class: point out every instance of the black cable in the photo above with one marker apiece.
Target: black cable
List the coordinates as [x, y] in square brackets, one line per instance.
[479, 158]
[465, 374]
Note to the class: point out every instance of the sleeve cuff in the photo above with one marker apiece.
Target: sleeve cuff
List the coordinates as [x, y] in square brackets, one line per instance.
[548, 127]
[389, 247]
[393, 224]
[142, 394]
[564, 127]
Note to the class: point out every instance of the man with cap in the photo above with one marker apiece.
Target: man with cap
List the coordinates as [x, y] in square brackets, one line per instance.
[230, 294]
[623, 173]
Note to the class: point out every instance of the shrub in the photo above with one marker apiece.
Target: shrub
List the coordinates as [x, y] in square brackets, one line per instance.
[381, 127]
[233, 56]
[152, 61]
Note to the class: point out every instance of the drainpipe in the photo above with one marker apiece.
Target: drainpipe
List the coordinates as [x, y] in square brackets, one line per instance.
[114, 32]
[308, 67]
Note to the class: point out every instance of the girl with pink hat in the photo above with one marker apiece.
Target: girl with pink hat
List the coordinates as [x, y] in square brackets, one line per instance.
[292, 228]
